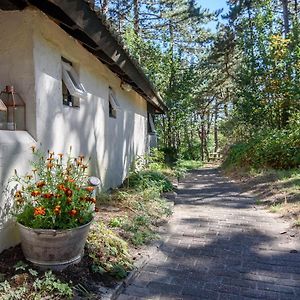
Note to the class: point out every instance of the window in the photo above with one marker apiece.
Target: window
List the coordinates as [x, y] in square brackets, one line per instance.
[72, 89]
[151, 127]
[113, 104]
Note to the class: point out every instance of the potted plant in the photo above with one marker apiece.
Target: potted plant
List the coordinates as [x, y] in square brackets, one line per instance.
[54, 208]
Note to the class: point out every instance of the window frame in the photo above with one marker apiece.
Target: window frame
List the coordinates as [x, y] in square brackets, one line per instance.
[73, 85]
[113, 103]
[151, 126]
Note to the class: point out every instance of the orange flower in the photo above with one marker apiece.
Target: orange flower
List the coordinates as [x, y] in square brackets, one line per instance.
[51, 153]
[39, 211]
[40, 184]
[73, 212]
[71, 180]
[20, 201]
[35, 193]
[61, 187]
[68, 193]
[89, 188]
[47, 196]
[69, 200]
[49, 165]
[57, 209]
[18, 194]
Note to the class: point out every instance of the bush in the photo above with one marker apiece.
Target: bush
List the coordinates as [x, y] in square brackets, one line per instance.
[147, 179]
[278, 149]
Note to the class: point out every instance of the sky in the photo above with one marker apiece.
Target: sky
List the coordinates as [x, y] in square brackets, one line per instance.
[214, 5]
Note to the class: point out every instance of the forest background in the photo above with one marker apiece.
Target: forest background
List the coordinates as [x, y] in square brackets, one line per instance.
[233, 90]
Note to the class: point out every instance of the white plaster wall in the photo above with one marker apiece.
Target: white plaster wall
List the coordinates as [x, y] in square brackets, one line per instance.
[36, 73]
[16, 68]
[111, 143]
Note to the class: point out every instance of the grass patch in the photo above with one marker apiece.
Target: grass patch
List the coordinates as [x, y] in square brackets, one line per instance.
[275, 208]
[190, 164]
[278, 190]
[147, 179]
[297, 223]
[108, 251]
[142, 211]
[259, 202]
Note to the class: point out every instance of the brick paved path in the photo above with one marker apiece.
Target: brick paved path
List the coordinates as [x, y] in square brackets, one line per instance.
[220, 246]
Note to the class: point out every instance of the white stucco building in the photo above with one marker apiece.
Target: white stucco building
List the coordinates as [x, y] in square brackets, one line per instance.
[80, 89]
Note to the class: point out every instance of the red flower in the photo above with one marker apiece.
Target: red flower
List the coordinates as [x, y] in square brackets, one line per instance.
[68, 192]
[73, 212]
[47, 196]
[89, 199]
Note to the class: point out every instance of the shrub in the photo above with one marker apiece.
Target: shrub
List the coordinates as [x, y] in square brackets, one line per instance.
[278, 149]
[108, 251]
[147, 179]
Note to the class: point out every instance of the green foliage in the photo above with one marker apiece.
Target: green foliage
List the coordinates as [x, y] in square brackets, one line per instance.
[108, 251]
[50, 284]
[190, 164]
[147, 179]
[45, 286]
[278, 149]
[55, 194]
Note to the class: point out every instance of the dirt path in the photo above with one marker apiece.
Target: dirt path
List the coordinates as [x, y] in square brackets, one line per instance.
[219, 245]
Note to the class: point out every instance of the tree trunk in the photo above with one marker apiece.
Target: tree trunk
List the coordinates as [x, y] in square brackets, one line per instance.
[285, 10]
[136, 15]
[216, 137]
[104, 7]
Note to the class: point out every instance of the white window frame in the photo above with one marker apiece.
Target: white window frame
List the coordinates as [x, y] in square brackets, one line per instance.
[73, 90]
[113, 102]
[151, 124]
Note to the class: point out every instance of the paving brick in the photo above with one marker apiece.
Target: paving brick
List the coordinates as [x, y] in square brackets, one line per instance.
[257, 294]
[275, 287]
[219, 247]
[164, 289]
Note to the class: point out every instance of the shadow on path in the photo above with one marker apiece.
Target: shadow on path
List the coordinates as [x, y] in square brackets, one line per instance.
[219, 246]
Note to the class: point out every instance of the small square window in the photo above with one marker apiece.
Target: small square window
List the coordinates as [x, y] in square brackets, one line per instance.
[113, 104]
[72, 89]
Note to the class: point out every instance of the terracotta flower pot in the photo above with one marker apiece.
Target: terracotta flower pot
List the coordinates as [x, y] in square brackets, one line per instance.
[54, 249]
